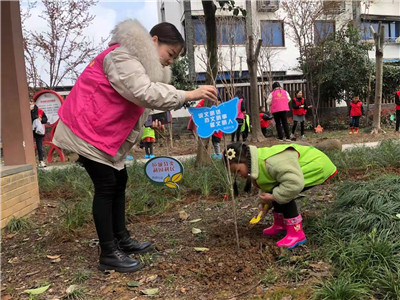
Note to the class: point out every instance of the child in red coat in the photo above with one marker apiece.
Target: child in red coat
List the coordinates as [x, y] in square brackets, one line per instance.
[264, 117]
[356, 111]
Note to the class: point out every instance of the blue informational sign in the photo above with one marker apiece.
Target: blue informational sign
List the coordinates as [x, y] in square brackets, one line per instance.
[164, 170]
[216, 118]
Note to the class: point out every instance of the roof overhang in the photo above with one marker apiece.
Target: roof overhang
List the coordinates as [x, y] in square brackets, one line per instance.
[367, 17]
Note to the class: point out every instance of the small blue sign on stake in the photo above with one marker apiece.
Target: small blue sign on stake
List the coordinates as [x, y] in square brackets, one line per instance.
[164, 170]
[216, 118]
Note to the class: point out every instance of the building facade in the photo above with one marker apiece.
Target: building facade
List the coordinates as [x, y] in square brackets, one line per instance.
[266, 20]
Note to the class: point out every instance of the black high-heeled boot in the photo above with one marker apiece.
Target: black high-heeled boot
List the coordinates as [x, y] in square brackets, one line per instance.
[131, 246]
[112, 258]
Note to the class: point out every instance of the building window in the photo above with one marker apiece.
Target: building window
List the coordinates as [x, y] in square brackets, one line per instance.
[200, 36]
[322, 29]
[272, 33]
[230, 31]
[392, 30]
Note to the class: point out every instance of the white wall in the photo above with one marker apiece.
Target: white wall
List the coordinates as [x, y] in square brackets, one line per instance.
[173, 13]
[381, 7]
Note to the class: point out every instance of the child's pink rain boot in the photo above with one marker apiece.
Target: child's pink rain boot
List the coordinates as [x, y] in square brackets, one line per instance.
[277, 227]
[295, 235]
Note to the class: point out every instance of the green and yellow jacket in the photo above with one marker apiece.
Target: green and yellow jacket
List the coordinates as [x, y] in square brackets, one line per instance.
[286, 170]
[148, 132]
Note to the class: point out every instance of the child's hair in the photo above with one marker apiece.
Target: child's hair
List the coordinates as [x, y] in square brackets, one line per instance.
[168, 34]
[298, 91]
[275, 85]
[238, 153]
[261, 107]
[239, 93]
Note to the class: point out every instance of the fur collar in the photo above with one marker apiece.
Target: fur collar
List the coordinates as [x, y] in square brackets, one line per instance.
[134, 37]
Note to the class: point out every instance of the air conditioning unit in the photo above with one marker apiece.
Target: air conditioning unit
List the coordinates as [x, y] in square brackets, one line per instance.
[267, 5]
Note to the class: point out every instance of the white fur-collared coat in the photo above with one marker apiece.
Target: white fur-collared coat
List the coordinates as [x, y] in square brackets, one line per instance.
[135, 72]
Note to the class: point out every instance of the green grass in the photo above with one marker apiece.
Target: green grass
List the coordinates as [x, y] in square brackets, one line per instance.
[77, 293]
[365, 158]
[361, 238]
[17, 225]
[70, 183]
[82, 276]
[146, 198]
[341, 289]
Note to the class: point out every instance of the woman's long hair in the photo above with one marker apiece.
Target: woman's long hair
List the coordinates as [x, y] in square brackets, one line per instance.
[238, 153]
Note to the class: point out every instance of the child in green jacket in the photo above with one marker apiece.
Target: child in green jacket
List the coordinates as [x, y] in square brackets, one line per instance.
[148, 139]
[281, 172]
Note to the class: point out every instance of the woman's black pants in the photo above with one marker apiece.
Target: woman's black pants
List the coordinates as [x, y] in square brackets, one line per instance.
[281, 121]
[109, 198]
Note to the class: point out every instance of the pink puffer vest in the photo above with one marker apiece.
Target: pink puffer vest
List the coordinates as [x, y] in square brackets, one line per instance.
[280, 101]
[240, 115]
[95, 112]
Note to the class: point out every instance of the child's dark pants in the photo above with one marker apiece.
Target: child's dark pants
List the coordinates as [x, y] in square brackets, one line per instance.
[289, 210]
[148, 147]
[397, 119]
[109, 198]
[39, 145]
[301, 127]
[355, 121]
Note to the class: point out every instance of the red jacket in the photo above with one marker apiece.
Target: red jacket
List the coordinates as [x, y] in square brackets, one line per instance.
[296, 107]
[356, 109]
[263, 123]
[397, 100]
[218, 134]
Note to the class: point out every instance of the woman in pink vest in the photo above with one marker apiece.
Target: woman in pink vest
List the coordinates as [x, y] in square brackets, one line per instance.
[103, 116]
[240, 115]
[278, 102]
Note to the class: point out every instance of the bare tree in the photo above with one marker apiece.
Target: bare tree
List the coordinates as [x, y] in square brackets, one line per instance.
[62, 47]
[301, 17]
[30, 52]
[210, 9]
[252, 64]
[379, 38]
[233, 37]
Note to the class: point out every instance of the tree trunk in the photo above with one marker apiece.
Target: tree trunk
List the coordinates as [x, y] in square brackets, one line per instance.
[252, 57]
[369, 98]
[379, 40]
[189, 38]
[209, 9]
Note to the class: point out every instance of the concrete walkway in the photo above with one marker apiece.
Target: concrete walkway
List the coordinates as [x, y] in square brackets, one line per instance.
[351, 146]
[128, 162]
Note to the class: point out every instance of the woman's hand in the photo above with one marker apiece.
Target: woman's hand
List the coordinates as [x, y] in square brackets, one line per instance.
[158, 126]
[208, 92]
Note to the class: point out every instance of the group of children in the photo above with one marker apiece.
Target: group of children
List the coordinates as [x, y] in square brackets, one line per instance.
[299, 110]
